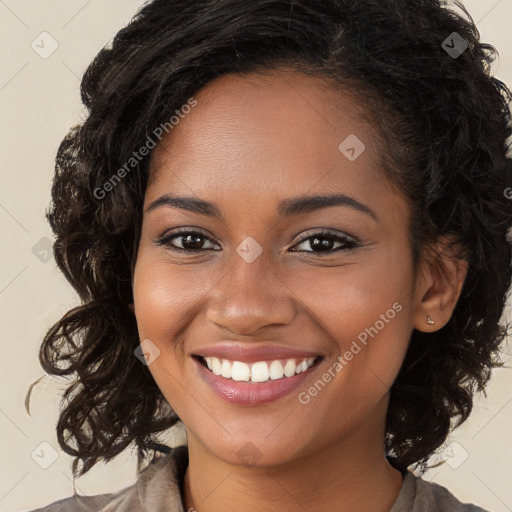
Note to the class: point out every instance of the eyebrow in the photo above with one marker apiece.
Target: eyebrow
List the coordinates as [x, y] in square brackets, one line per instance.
[286, 208]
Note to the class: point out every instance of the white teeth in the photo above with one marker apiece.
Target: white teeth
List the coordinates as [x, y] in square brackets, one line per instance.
[289, 368]
[260, 371]
[240, 371]
[216, 365]
[276, 370]
[225, 369]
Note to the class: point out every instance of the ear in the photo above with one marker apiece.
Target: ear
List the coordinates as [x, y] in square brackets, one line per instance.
[440, 280]
[132, 307]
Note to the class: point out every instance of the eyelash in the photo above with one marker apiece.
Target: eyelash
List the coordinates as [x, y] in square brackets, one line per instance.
[350, 243]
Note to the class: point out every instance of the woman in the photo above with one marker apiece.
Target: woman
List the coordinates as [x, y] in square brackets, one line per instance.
[287, 223]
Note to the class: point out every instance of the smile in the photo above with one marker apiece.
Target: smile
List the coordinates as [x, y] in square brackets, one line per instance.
[259, 371]
[258, 382]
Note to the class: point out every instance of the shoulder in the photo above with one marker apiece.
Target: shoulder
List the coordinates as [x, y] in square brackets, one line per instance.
[112, 502]
[126, 499]
[418, 495]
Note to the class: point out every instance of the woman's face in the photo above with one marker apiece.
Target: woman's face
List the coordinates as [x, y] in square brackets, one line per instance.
[256, 276]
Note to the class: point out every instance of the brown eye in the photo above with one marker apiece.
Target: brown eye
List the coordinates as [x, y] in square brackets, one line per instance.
[324, 242]
[191, 241]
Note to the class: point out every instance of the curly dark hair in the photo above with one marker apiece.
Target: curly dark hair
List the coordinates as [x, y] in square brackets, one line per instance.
[443, 123]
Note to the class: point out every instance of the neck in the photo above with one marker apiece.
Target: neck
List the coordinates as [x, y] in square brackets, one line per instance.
[351, 474]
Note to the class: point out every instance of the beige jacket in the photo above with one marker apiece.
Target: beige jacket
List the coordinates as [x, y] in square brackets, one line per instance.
[157, 489]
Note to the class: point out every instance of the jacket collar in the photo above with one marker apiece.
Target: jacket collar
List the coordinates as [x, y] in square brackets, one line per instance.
[160, 485]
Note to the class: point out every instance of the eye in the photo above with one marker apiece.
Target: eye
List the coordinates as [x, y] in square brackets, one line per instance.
[324, 241]
[189, 241]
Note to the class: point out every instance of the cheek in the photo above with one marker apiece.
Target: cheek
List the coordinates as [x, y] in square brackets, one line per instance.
[162, 299]
[164, 294]
[349, 298]
[365, 313]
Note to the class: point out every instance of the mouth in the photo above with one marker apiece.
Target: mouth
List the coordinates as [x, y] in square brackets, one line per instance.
[258, 371]
[258, 382]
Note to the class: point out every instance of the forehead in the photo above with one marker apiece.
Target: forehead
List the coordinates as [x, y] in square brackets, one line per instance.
[251, 137]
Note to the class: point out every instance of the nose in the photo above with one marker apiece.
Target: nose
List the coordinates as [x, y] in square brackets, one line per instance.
[251, 298]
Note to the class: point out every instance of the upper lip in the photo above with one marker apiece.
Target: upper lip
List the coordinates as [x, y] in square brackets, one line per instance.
[253, 353]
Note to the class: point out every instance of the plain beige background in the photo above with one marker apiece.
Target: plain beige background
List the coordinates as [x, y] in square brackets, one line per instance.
[39, 101]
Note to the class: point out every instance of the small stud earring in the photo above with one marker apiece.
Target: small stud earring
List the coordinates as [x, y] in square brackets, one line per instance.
[429, 320]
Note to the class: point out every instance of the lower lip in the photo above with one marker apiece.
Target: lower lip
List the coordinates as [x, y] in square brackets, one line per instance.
[252, 393]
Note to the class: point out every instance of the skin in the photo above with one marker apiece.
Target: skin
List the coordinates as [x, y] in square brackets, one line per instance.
[251, 142]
